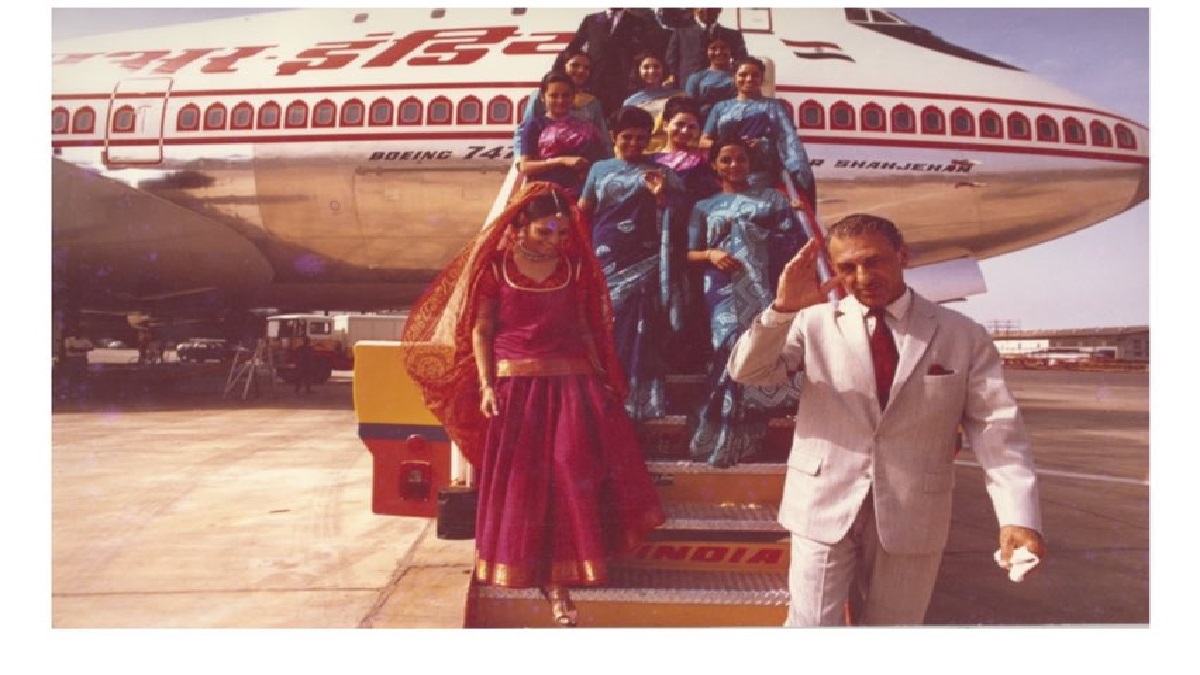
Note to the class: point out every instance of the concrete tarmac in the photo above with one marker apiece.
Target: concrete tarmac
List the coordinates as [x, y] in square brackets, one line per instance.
[183, 508]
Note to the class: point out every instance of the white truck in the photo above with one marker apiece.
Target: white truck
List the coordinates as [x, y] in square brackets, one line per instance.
[332, 337]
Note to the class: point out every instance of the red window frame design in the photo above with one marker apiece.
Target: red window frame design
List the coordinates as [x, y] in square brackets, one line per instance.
[331, 107]
[1070, 125]
[802, 115]
[991, 116]
[343, 116]
[76, 127]
[492, 117]
[379, 104]
[60, 120]
[117, 116]
[1015, 134]
[1125, 137]
[461, 116]
[433, 106]
[883, 117]
[1103, 139]
[938, 115]
[521, 105]
[851, 122]
[181, 123]
[410, 101]
[962, 114]
[287, 115]
[269, 106]
[212, 108]
[1046, 121]
[233, 116]
[897, 128]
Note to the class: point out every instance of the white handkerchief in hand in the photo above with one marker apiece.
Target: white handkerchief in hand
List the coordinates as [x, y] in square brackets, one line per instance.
[1019, 565]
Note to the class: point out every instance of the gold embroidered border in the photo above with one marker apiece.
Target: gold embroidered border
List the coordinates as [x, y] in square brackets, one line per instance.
[568, 572]
[552, 365]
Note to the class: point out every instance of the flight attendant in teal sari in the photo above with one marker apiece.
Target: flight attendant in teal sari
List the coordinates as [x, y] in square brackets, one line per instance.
[640, 239]
[741, 238]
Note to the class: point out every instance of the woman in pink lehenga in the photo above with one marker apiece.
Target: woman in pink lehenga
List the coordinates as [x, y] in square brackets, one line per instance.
[528, 385]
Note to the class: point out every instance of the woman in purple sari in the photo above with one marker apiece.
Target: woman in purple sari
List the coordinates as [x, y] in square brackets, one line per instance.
[531, 391]
[560, 147]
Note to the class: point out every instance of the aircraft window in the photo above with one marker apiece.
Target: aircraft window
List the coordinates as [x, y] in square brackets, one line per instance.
[214, 117]
[841, 115]
[962, 122]
[59, 119]
[123, 120]
[500, 111]
[1018, 127]
[933, 121]
[437, 13]
[323, 114]
[410, 111]
[873, 118]
[903, 120]
[523, 103]
[1047, 129]
[1125, 137]
[857, 15]
[1073, 131]
[787, 108]
[242, 116]
[268, 116]
[470, 111]
[812, 115]
[85, 121]
[439, 111]
[990, 126]
[382, 112]
[189, 118]
[297, 114]
[1101, 135]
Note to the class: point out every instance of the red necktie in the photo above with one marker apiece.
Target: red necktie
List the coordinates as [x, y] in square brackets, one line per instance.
[883, 355]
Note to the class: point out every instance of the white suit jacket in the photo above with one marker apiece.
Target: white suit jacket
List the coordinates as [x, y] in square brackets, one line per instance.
[949, 373]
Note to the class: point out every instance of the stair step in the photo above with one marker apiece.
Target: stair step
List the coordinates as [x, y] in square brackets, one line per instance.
[724, 517]
[683, 481]
[645, 598]
[668, 437]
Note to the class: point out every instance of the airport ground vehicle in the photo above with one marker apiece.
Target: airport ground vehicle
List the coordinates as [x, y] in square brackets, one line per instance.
[332, 337]
[199, 350]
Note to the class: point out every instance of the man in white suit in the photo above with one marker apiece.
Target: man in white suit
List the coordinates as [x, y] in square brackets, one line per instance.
[867, 496]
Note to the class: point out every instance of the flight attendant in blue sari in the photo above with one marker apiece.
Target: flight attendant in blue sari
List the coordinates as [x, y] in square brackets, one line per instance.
[765, 125]
[741, 238]
[714, 83]
[640, 240]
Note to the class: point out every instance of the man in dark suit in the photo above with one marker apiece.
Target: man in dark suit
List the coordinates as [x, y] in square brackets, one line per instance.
[687, 49]
[612, 38]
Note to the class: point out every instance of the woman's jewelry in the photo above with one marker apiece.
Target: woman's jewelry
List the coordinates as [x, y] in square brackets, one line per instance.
[534, 256]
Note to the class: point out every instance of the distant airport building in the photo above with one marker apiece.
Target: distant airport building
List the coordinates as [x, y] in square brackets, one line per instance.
[1121, 343]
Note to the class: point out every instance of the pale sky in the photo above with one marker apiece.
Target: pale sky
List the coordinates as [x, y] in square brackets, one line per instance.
[1097, 277]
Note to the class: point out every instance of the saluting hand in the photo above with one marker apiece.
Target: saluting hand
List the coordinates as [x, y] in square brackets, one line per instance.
[800, 284]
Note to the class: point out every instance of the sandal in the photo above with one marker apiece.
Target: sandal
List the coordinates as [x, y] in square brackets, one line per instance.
[565, 614]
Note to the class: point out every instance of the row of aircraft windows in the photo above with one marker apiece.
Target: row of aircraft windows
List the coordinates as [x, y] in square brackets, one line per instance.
[840, 116]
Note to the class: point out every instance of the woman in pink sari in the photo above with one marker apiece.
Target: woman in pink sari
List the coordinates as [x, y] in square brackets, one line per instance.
[530, 389]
